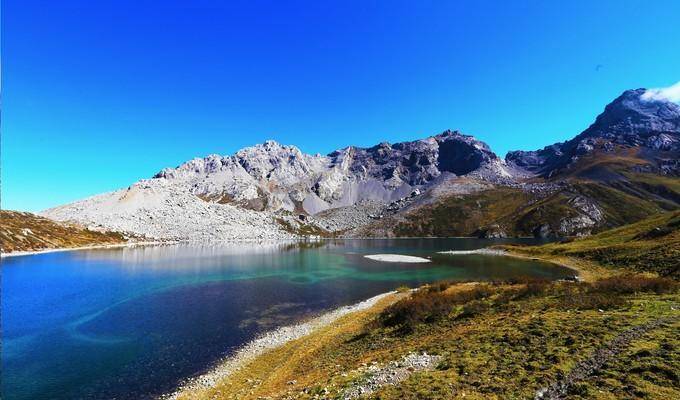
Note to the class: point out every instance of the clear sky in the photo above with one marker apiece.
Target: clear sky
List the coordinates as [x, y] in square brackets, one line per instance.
[98, 94]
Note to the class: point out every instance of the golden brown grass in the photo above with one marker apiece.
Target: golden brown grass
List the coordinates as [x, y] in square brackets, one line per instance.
[21, 231]
[500, 340]
[651, 245]
[521, 339]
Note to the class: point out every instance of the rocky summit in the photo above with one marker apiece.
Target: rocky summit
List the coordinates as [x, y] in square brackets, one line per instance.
[273, 191]
[634, 119]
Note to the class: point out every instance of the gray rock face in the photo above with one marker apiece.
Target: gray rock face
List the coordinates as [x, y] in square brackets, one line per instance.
[585, 217]
[535, 160]
[494, 231]
[273, 177]
[632, 119]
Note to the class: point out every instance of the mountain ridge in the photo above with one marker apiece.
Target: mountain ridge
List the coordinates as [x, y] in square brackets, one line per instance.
[271, 190]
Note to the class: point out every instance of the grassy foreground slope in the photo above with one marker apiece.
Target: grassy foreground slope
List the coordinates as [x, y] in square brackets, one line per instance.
[21, 231]
[610, 337]
[493, 342]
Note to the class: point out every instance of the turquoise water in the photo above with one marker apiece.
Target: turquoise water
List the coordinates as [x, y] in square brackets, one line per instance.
[132, 323]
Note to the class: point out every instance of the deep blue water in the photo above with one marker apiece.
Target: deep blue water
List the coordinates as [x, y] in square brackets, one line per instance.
[131, 323]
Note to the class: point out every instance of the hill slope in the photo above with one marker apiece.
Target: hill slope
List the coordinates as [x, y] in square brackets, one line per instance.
[623, 168]
[20, 231]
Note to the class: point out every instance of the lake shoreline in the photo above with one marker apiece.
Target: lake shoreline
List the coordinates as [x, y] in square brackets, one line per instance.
[580, 273]
[266, 342]
[241, 359]
[216, 364]
[22, 253]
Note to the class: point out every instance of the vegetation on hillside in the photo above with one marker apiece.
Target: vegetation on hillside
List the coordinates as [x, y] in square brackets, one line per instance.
[651, 245]
[462, 215]
[301, 228]
[21, 231]
[518, 213]
[614, 181]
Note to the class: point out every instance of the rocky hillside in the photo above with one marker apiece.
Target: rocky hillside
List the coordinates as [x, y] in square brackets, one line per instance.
[651, 245]
[158, 209]
[622, 168]
[21, 231]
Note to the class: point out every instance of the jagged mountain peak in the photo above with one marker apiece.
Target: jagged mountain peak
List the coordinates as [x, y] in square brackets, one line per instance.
[269, 146]
[634, 113]
[272, 176]
[633, 119]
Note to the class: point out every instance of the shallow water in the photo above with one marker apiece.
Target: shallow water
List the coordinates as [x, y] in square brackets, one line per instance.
[130, 323]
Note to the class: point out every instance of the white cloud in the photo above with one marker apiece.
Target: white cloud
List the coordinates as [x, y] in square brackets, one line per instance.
[671, 93]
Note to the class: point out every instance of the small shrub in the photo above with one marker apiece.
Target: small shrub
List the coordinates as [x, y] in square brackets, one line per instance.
[588, 300]
[403, 289]
[473, 309]
[524, 288]
[628, 284]
[438, 287]
[522, 280]
[429, 305]
[533, 288]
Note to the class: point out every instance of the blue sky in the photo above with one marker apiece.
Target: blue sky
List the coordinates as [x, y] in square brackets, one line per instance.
[98, 94]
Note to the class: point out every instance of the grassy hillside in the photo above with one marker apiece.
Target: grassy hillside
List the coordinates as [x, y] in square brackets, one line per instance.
[491, 341]
[20, 231]
[518, 213]
[462, 215]
[651, 245]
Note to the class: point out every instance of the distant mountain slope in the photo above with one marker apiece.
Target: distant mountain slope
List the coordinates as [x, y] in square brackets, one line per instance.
[623, 168]
[20, 231]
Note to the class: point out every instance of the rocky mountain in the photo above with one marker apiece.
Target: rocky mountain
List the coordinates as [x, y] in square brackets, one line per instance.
[622, 168]
[631, 120]
[253, 193]
[273, 177]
